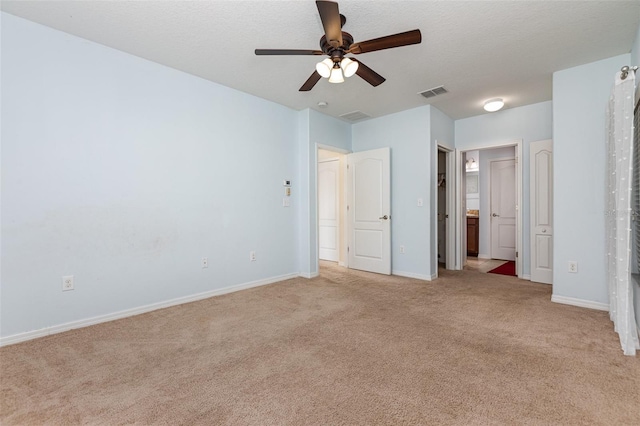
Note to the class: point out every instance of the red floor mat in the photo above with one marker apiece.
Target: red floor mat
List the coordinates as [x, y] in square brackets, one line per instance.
[508, 268]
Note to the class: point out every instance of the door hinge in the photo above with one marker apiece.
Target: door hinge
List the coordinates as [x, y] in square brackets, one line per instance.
[347, 249]
[516, 254]
[347, 207]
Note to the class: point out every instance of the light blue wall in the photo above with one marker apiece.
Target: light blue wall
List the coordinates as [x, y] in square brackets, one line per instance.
[580, 96]
[442, 128]
[306, 262]
[329, 131]
[529, 123]
[408, 135]
[125, 173]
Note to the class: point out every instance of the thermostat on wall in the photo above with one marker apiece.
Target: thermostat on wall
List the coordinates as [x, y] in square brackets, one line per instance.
[287, 183]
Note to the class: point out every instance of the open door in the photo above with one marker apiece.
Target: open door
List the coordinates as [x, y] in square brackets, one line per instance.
[369, 210]
[503, 209]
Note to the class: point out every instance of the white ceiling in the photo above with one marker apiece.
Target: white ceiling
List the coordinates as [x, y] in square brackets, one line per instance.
[476, 49]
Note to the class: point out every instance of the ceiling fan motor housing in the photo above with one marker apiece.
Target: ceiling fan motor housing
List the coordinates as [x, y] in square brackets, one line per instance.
[336, 53]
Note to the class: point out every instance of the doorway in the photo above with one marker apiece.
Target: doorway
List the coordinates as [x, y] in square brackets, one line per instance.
[444, 189]
[493, 218]
[331, 206]
[354, 208]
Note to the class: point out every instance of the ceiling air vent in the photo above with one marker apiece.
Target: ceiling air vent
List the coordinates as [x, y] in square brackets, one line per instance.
[440, 90]
[355, 116]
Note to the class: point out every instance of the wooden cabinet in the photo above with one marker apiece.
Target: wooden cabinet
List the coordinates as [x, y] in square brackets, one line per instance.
[473, 236]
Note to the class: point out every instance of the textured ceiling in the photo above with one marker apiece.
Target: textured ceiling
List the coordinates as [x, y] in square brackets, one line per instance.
[476, 49]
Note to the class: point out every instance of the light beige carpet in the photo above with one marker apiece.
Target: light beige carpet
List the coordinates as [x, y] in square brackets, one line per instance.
[345, 348]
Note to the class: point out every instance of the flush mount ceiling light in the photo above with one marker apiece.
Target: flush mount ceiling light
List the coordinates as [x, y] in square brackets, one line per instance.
[493, 105]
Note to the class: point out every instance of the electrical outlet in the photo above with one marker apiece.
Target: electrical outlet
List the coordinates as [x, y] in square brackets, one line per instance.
[205, 262]
[285, 202]
[401, 249]
[67, 283]
[573, 266]
[252, 256]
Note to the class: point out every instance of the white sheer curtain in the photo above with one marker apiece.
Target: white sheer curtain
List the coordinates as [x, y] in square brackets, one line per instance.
[618, 226]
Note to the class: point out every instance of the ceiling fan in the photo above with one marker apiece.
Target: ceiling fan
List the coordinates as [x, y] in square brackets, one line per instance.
[337, 43]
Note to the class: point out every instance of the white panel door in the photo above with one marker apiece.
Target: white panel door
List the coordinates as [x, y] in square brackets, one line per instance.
[541, 211]
[503, 209]
[328, 209]
[369, 211]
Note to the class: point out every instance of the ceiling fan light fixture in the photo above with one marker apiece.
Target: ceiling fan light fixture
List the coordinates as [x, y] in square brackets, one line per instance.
[493, 105]
[336, 76]
[324, 67]
[349, 67]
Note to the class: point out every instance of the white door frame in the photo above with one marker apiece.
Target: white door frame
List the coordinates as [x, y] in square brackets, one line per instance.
[344, 260]
[450, 225]
[461, 231]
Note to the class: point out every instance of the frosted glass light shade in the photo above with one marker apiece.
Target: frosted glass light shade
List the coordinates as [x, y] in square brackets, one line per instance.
[336, 76]
[493, 105]
[324, 67]
[349, 67]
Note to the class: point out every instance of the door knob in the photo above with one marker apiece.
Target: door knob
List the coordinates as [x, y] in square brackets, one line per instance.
[544, 230]
[495, 215]
[385, 217]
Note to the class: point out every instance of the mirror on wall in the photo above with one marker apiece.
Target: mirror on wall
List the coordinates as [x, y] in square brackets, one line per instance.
[472, 177]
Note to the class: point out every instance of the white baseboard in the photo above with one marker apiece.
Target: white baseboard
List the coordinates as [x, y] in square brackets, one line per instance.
[484, 256]
[413, 275]
[55, 329]
[344, 264]
[309, 275]
[525, 277]
[580, 302]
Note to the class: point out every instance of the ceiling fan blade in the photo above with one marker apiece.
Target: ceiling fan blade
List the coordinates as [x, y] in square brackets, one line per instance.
[330, 16]
[369, 75]
[388, 42]
[311, 81]
[288, 52]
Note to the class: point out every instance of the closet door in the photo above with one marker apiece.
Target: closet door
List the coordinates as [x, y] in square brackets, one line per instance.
[541, 211]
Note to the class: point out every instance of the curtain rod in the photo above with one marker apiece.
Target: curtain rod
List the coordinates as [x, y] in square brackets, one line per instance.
[625, 71]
